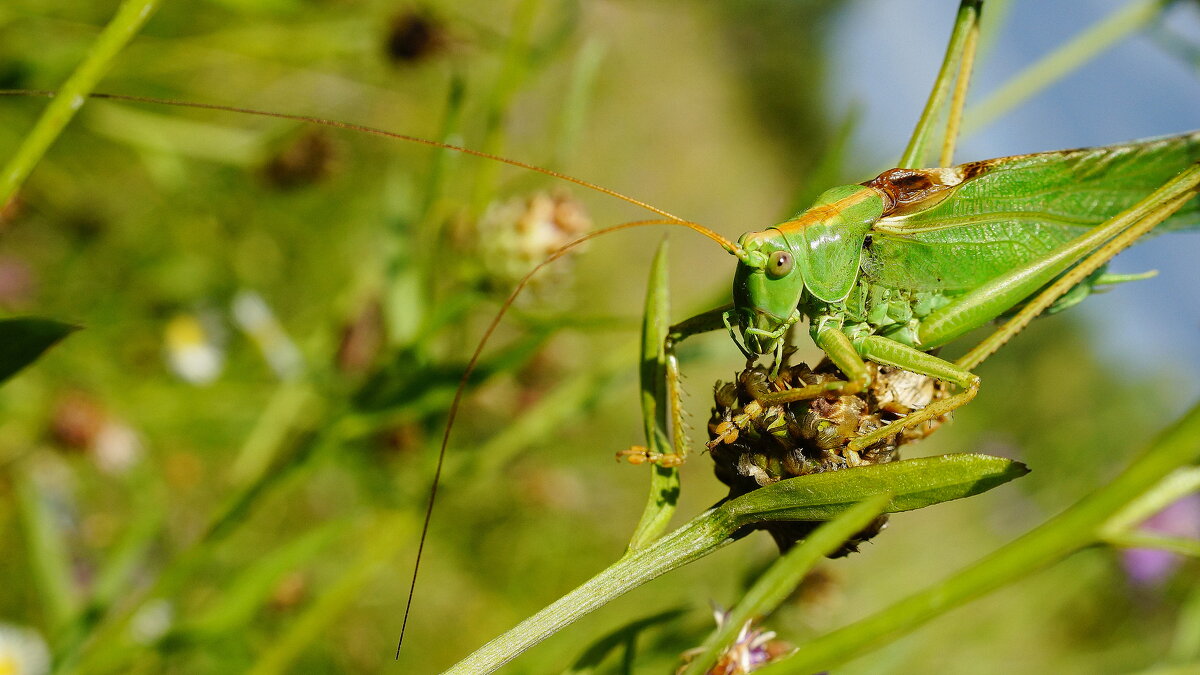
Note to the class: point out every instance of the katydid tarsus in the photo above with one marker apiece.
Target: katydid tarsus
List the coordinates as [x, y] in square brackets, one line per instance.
[902, 264]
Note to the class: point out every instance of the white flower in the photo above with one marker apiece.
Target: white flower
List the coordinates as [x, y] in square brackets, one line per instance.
[192, 349]
[22, 651]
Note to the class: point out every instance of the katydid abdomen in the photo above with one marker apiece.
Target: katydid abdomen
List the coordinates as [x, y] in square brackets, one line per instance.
[1009, 211]
[987, 218]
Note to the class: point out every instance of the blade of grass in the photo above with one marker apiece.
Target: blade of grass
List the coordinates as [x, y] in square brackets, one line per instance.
[130, 551]
[381, 543]
[46, 548]
[105, 647]
[514, 68]
[129, 19]
[577, 103]
[245, 592]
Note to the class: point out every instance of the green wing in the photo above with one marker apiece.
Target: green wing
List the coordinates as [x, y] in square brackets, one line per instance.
[1012, 210]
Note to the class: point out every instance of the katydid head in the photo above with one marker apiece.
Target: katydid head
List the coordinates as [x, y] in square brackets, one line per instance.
[767, 287]
[815, 253]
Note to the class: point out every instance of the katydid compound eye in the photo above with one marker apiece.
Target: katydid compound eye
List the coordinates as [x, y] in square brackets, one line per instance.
[779, 264]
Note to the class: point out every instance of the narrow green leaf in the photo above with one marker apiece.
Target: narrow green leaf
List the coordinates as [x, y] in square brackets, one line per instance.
[774, 586]
[914, 484]
[130, 17]
[664, 481]
[23, 339]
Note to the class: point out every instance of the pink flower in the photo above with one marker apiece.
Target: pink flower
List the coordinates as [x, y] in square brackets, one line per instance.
[1147, 566]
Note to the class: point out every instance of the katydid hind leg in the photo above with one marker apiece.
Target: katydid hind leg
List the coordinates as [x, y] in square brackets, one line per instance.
[1078, 259]
[849, 358]
[954, 74]
[705, 322]
[888, 352]
[841, 353]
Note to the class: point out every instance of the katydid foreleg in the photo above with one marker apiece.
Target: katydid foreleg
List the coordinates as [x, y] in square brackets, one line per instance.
[705, 322]
[841, 351]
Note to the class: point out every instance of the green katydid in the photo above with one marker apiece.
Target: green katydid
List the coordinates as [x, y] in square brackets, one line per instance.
[893, 268]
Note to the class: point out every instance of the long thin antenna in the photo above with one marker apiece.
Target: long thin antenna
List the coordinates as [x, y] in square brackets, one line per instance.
[487, 334]
[668, 219]
[351, 126]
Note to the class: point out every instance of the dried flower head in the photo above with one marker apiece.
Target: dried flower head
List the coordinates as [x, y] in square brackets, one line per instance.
[753, 445]
[414, 36]
[309, 158]
[518, 234]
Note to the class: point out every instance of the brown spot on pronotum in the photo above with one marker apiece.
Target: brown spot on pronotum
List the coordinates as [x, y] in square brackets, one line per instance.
[909, 190]
[974, 169]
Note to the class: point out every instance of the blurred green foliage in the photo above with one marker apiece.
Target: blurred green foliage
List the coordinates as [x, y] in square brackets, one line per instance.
[264, 516]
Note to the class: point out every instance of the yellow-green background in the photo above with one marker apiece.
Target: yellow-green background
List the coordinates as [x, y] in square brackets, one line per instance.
[718, 112]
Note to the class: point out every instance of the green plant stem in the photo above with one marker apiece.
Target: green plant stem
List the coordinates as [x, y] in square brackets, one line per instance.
[130, 17]
[1074, 529]
[1180, 483]
[693, 541]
